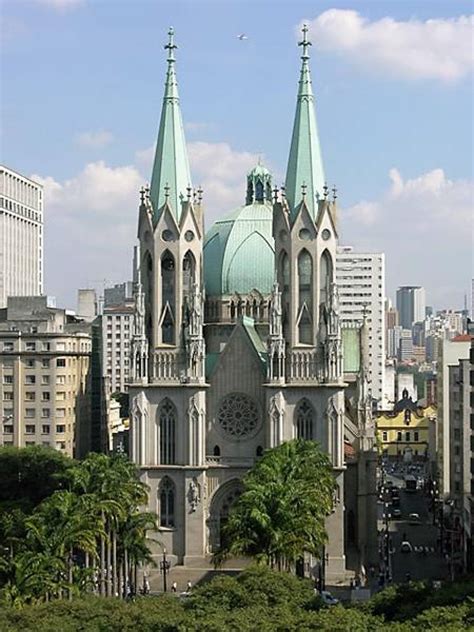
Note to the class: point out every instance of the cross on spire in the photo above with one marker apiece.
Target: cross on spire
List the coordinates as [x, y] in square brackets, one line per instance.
[170, 46]
[305, 42]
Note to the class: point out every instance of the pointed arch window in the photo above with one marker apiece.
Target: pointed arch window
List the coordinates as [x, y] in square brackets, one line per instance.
[168, 283]
[167, 430]
[167, 495]
[305, 421]
[285, 285]
[259, 191]
[305, 298]
[325, 277]
[189, 274]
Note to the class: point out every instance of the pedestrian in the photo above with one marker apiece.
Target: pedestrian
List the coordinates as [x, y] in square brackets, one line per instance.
[188, 586]
[174, 587]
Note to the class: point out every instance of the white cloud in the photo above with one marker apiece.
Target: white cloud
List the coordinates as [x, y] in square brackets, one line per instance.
[94, 140]
[196, 126]
[61, 5]
[91, 219]
[438, 49]
[218, 168]
[90, 227]
[424, 226]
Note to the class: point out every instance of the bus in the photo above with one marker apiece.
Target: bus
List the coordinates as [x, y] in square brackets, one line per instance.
[410, 483]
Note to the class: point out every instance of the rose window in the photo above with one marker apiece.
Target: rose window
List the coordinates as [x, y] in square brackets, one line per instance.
[238, 416]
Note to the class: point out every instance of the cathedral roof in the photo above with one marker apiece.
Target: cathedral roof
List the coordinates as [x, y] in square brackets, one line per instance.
[239, 249]
[171, 174]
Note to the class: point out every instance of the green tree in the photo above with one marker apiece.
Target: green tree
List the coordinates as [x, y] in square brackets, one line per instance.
[282, 509]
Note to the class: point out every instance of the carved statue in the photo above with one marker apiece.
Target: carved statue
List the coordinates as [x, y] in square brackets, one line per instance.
[194, 494]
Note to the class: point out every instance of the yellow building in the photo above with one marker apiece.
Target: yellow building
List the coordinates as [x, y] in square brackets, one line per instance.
[405, 431]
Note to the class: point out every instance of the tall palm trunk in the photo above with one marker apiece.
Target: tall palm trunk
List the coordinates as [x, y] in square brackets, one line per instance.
[126, 573]
[120, 579]
[109, 564]
[69, 574]
[102, 561]
[114, 562]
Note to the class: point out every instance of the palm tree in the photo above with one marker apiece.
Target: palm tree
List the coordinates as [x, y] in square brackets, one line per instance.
[281, 511]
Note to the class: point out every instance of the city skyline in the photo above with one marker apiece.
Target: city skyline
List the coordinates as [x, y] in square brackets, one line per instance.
[98, 152]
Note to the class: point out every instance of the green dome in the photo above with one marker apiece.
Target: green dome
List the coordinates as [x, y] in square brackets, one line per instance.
[239, 252]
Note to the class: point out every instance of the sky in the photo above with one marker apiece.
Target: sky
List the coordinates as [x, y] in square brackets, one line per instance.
[81, 90]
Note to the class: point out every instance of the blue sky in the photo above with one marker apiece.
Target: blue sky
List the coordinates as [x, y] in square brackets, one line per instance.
[81, 94]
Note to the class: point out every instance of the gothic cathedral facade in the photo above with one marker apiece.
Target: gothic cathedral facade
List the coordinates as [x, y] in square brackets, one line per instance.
[237, 343]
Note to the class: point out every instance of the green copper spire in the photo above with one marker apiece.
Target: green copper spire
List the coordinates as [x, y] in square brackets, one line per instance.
[305, 165]
[171, 166]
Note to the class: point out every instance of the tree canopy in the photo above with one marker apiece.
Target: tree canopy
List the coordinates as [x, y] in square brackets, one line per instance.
[282, 509]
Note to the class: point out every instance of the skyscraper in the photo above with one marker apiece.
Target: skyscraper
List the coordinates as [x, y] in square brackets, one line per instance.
[361, 284]
[21, 236]
[411, 303]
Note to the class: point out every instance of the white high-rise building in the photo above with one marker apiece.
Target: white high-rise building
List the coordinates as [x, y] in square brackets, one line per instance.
[21, 236]
[361, 283]
[117, 321]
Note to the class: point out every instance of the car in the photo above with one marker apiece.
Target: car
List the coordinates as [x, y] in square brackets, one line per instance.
[396, 513]
[414, 518]
[406, 547]
[328, 599]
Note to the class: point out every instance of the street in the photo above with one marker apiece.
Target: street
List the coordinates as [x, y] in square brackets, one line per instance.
[417, 565]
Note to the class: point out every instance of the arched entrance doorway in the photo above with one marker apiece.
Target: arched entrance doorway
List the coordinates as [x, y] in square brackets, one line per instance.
[221, 504]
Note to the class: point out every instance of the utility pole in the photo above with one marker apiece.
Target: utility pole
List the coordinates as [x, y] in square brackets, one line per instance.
[164, 568]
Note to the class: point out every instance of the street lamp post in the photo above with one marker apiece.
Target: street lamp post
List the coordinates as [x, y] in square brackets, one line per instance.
[164, 568]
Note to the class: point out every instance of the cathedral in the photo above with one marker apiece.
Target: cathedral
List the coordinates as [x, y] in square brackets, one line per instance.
[237, 344]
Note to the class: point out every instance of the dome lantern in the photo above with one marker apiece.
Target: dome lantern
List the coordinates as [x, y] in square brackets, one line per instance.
[259, 185]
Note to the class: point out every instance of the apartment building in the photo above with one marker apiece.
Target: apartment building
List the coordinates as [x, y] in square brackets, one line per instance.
[45, 377]
[21, 236]
[361, 283]
[117, 328]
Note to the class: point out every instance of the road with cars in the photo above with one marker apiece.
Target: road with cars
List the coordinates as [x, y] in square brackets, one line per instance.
[424, 560]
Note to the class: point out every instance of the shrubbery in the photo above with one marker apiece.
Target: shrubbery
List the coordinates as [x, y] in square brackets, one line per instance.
[257, 599]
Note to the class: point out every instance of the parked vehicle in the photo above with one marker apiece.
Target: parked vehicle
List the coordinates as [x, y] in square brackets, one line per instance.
[396, 513]
[406, 547]
[414, 518]
[410, 483]
[328, 599]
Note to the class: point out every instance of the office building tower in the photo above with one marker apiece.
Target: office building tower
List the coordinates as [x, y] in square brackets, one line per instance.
[411, 304]
[117, 325]
[405, 349]
[361, 284]
[45, 362]
[21, 236]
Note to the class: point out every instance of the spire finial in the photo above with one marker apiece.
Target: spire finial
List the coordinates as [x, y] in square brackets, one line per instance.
[188, 192]
[167, 192]
[275, 195]
[305, 42]
[199, 192]
[142, 195]
[334, 193]
[326, 190]
[170, 46]
[303, 190]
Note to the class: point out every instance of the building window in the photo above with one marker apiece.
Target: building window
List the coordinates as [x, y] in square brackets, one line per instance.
[7, 397]
[407, 416]
[216, 451]
[416, 436]
[45, 363]
[399, 436]
[167, 493]
[30, 379]
[61, 395]
[60, 412]
[45, 429]
[384, 435]
[61, 362]
[30, 346]
[167, 425]
[30, 364]
[30, 429]
[60, 428]
[46, 346]
[60, 346]
[45, 396]
[7, 429]
[304, 416]
[457, 434]
[407, 436]
[45, 379]
[60, 445]
[30, 413]
[8, 379]
[8, 346]
[30, 396]
[305, 293]
[60, 379]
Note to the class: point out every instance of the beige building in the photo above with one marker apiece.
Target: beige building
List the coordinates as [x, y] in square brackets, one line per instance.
[450, 354]
[44, 376]
[21, 236]
[117, 326]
